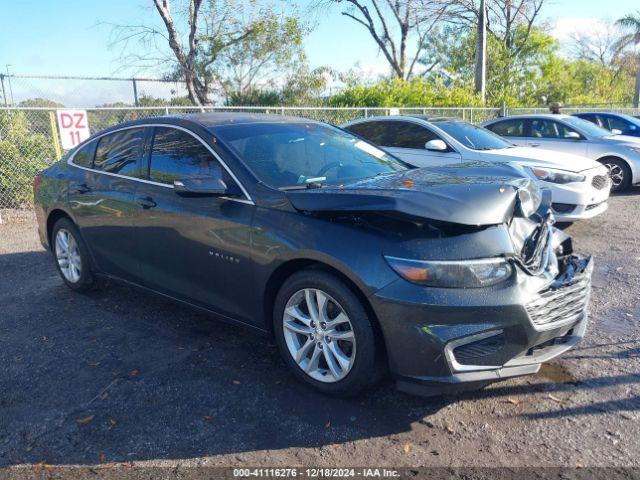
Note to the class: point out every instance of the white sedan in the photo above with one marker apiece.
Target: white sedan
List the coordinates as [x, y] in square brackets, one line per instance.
[579, 186]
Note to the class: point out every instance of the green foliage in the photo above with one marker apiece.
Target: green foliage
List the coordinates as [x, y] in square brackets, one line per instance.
[300, 88]
[40, 102]
[535, 74]
[23, 154]
[254, 97]
[413, 93]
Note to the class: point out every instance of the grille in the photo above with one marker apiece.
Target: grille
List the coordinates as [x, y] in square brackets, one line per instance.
[600, 181]
[465, 354]
[561, 305]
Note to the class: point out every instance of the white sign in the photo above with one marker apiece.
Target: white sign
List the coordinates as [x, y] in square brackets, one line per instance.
[73, 126]
[394, 111]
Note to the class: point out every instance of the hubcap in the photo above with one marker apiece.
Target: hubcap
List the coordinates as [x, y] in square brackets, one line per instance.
[68, 255]
[615, 173]
[319, 335]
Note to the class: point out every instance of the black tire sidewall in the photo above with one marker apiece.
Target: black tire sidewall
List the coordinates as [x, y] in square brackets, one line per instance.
[87, 278]
[363, 372]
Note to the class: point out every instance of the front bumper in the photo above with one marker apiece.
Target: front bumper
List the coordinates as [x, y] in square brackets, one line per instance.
[446, 340]
[580, 200]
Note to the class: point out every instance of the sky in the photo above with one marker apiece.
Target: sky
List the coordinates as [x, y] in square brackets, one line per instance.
[74, 37]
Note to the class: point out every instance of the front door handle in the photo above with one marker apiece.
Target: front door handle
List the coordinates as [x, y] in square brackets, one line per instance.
[534, 144]
[82, 188]
[146, 202]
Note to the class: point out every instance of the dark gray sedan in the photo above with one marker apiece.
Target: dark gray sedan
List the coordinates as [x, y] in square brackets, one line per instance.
[356, 263]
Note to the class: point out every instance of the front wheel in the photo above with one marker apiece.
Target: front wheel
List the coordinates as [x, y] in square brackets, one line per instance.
[72, 258]
[619, 173]
[324, 334]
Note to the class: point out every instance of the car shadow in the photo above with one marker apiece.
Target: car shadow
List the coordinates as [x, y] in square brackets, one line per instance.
[124, 375]
[632, 191]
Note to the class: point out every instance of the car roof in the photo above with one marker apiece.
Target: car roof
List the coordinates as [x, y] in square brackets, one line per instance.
[534, 115]
[418, 118]
[430, 118]
[216, 119]
[210, 120]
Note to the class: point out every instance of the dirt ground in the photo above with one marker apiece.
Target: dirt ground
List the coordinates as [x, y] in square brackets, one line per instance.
[121, 376]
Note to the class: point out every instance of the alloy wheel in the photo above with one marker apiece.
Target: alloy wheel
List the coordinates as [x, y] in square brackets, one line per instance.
[319, 335]
[68, 255]
[616, 173]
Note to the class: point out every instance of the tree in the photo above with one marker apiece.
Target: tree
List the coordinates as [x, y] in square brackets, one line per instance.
[211, 27]
[631, 24]
[480, 74]
[392, 24]
[40, 102]
[261, 59]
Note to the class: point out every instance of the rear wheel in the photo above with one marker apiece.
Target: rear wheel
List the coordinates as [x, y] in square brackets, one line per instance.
[72, 258]
[619, 173]
[324, 334]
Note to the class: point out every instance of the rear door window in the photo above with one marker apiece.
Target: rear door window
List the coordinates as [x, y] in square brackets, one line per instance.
[508, 128]
[375, 132]
[119, 152]
[175, 155]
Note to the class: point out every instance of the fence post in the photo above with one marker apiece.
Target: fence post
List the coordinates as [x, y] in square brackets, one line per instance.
[4, 94]
[471, 116]
[366, 112]
[55, 136]
[281, 110]
[135, 92]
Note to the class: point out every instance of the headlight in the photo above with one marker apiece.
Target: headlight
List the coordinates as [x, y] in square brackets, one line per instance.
[452, 274]
[555, 176]
[634, 149]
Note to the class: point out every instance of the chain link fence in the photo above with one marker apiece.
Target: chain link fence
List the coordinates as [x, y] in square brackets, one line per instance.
[29, 138]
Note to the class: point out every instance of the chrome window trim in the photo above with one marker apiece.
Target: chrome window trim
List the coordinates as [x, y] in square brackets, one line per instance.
[248, 200]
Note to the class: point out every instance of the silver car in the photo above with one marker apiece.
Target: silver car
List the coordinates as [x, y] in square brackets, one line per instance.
[565, 133]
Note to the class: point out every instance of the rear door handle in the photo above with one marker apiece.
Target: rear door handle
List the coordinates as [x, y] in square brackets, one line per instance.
[146, 202]
[82, 188]
[534, 144]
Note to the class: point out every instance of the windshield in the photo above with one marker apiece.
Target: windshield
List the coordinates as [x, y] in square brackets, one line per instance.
[473, 137]
[297, 155]
[586, 127]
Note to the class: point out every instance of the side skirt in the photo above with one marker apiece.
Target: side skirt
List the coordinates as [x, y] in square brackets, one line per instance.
[225, 318]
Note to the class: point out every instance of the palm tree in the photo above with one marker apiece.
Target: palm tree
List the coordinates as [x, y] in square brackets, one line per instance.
[631, 24]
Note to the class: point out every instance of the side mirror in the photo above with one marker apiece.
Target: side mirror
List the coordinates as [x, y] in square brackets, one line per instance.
[436, 146]
[203, 186]
[615, 131]
[572, 136]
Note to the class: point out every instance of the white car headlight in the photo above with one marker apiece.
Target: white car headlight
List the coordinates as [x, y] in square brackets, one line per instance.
[555, 176]
[452, 273]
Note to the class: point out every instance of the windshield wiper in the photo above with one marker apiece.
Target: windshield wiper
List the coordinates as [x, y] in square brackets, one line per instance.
[307, 186]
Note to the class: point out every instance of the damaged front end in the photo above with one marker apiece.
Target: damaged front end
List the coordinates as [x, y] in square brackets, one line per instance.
[487, 287]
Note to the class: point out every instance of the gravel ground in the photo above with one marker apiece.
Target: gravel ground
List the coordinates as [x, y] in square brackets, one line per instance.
[121, 376]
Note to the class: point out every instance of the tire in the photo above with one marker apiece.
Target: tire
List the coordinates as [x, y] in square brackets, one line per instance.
[79, 276]
[363, 355]
[619, 172]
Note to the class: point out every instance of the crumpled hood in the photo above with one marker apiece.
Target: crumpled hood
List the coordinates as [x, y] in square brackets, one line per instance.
[545, 158]
[476, 194]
